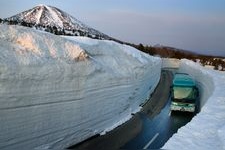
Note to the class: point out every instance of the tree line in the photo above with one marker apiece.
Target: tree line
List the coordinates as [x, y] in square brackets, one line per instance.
[169, 52]
[52, 29]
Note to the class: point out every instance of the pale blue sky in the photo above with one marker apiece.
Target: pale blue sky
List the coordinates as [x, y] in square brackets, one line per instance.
[196, 25]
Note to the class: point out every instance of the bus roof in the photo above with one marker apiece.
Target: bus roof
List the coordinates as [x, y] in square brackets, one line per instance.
[183, 80]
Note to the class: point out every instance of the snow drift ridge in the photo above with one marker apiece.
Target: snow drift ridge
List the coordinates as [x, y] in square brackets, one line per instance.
[28, 47]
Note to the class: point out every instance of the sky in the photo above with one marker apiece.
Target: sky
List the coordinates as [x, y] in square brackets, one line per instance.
[195, 25]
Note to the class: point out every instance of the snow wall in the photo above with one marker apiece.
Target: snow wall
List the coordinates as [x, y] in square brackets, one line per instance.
[207, 129]
[56, 92]
[170, 63]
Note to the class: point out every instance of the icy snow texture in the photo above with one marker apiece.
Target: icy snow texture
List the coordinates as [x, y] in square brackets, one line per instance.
[207, 129]
[55, 92]
[172, 63]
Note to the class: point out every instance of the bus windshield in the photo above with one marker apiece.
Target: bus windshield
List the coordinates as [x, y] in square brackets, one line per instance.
[184, 92]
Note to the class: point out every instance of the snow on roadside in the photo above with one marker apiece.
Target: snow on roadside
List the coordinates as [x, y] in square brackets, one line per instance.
[56, 92]
[142, 57]
[207, 129]
[172, 63]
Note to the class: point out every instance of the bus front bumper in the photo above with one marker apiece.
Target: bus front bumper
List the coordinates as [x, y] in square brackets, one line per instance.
[187, 108]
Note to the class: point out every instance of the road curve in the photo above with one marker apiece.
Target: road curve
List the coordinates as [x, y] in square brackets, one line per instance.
[130, 129]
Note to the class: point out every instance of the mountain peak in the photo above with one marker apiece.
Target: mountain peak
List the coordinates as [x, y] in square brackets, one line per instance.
[42, 6]
[52, 17]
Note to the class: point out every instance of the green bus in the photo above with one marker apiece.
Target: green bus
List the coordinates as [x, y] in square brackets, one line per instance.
[184, 93]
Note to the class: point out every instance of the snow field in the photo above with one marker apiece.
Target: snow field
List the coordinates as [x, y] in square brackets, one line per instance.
[207, 129]
[56, 92]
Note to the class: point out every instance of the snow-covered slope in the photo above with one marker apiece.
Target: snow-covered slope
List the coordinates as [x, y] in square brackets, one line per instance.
[56, 19]
[55, 92]
[207, 129]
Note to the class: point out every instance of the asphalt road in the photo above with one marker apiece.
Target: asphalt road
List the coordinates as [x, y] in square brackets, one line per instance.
[148, 129]
[156, 131]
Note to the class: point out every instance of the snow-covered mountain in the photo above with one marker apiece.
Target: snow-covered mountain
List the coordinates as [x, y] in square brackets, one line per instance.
[54, 20]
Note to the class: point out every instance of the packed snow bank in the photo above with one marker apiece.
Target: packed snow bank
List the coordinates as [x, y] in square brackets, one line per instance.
[207, 129]
[170, 63]
[56, 92]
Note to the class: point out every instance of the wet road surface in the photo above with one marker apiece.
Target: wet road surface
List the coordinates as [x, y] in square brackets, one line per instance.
[156, 131]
